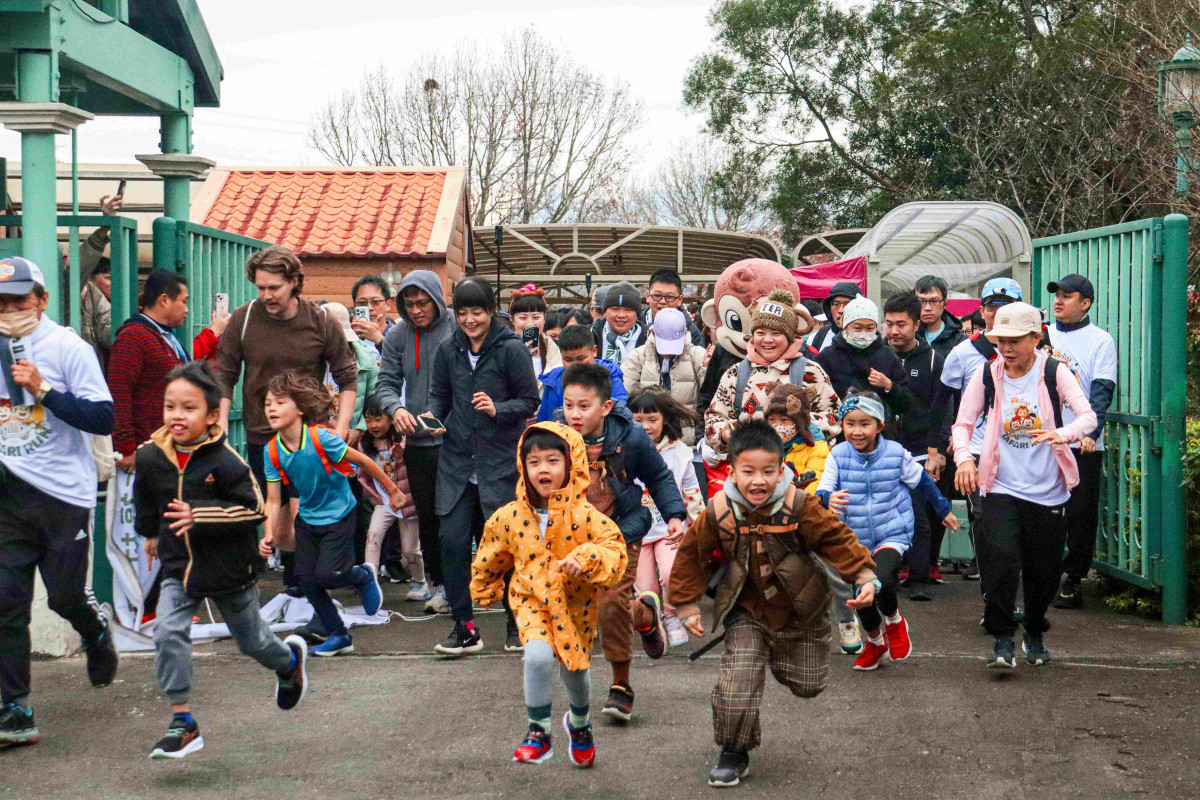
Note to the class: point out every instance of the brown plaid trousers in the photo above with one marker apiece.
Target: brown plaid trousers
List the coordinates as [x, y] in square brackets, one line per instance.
[798, 658]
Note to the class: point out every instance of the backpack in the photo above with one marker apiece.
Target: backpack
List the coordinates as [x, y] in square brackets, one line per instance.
[342, 467]
[1050, 376]
[795, 377]
[984, 346]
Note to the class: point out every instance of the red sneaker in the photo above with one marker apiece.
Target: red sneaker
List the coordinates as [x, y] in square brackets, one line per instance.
[935, 574]
[871, 654]
[904, 575]
[583, 748]
[536, 748]
[899, 644]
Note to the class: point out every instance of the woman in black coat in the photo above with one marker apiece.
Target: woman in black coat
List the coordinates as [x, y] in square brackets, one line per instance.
[484, 390]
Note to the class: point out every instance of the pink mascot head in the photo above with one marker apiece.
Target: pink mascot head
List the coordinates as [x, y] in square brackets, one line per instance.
[739, 287]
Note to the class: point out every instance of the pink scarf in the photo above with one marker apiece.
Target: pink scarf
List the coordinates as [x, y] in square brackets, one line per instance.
[786, 359]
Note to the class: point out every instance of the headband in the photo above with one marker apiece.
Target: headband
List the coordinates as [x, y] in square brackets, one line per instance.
[868, 405]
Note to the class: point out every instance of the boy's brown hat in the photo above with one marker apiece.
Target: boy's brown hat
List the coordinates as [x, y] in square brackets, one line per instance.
[795, 403]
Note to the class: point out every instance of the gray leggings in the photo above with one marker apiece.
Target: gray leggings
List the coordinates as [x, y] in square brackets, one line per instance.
[539, 676]
[173, 635]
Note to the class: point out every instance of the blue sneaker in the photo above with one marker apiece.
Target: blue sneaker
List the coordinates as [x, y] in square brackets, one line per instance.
[1004, 654]
[1036, 654]
[371, 594]
[334, 646]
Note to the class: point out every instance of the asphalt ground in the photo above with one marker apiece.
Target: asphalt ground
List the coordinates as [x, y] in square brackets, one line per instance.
[1116, 715]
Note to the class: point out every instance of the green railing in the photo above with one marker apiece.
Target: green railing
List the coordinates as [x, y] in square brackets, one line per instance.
[1139, 270]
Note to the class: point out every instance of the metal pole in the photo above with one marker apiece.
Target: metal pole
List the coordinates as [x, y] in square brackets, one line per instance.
[74, 284]
[39, 202]
[177, 189]
[1173, 372]
[1183, 146]
[499, 239]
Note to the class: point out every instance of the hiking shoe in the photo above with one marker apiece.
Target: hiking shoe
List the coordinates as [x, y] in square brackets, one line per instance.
[1004, 654]
[437, 603]
[335, 645]
[654, 637]
[1070, 596]
[512, 639]
[619, 704]
[732, 765]
[461, 640]
[536, 748]
[677, 635]
[370, 592]
[898, 641]
[419, 591]
[17, 725]
[972, 571]
[182, 739]
[102, 659]
[312, 631]
[293, 683]
[1036, 654]
[871, 655]
[851, 640]
[583, 747]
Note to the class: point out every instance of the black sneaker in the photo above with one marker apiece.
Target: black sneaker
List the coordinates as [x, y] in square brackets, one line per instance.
[972, 571]
[512, 640]
[182, 739]
[394, 573]
[312, 631]
[1036, 654]
[732, 765]
[294, 591]
[1004, 654]
[102, 658]
[17, 725]
[654, 638]
[1070, 595]
[619, 704]
[461, 640]
[920, 593]
[293, 683]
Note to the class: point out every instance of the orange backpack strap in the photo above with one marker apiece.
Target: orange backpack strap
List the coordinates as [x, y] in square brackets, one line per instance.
[342, 467]
[273, 456]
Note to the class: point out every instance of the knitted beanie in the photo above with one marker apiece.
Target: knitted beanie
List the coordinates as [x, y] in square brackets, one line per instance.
[624, 295]
[860, 308]
[793, 402]
[777, 312]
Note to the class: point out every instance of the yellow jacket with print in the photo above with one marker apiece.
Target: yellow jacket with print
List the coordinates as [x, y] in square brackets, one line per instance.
[803, 457]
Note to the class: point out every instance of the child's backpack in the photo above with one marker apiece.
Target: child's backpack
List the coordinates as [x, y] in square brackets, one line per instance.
[343, 467]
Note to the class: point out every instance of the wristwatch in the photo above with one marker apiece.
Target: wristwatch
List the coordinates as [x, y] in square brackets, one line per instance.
[43, 390]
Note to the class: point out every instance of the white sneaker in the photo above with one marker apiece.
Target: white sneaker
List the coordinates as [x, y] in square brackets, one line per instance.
[437, 604]
[273, 561]
[418, 591]
[677, 635]
[851, 641]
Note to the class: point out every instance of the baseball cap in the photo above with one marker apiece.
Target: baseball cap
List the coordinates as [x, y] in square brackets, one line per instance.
[1073, 283]
[670, 332]
[1016, 319]
[1002, 289]
[19, 276]
[338, 313]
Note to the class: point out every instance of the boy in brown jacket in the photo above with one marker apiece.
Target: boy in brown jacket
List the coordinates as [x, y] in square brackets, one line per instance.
[772, 594]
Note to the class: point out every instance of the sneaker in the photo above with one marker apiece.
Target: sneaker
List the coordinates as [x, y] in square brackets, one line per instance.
[294, 591]
[583, 747]
[335, 645]
[904, 575]
[395, 573]
[1069, 596]
[1004, 654]
[871, 655]
[461, 640]
[1036, 654]
[1018, 615]
[273, 562]
[102, 659]
[370, 592]
[181, 740]
[732, 765]
[536, 748]
[619, 704]
[437, 603]
[419, 591]
[851, 640]
[972, 571]
[935, 575]
[17, 725]
[920, 593]
[293, 683]
[312, 631]
[654, 637]
[898, 641]
[677, 635]
[512, 639]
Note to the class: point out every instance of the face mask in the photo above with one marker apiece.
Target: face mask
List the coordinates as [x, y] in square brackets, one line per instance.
[858, 339]
[15, 324]
[786, 432]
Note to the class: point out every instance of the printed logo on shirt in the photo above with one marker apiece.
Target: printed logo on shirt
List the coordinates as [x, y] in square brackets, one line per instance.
[648, 502]
[1067, 359]
[1021, 423]
[23, 429]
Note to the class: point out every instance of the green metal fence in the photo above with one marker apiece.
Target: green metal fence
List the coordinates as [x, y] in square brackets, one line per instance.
[1139, 270]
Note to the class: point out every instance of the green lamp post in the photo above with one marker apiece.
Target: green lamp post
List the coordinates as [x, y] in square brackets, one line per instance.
[1179, 106]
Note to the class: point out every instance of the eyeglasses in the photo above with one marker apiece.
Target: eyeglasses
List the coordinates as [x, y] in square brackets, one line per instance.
[663, 298]
[424, 302]
[839, 304]
[931, 303]
[374, 302]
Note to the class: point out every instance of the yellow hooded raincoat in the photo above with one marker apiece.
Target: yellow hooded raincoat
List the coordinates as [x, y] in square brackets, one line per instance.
[548, 604]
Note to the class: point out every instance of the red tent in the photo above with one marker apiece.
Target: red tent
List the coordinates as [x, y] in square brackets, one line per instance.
[815, 280]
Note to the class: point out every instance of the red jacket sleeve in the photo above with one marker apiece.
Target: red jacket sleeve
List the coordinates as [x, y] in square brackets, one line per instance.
[204, 346]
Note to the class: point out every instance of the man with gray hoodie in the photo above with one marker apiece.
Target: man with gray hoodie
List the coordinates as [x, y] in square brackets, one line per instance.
[403, 389]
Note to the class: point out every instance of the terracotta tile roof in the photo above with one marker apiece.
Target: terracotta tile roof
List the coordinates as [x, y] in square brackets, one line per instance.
[375, 212]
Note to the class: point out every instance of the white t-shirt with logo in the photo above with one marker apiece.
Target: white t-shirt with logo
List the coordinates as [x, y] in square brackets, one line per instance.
[962, 362]
[1026, 470]
[1091, 355]
[37, 446]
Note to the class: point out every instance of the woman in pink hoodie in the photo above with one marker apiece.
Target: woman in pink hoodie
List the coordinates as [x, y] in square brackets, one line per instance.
[1025, 475]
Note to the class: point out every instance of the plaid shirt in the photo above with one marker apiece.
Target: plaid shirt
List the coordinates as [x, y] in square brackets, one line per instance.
[138, 365]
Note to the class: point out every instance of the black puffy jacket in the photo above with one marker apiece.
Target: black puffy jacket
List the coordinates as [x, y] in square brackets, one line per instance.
[848, 367]
[927, 423]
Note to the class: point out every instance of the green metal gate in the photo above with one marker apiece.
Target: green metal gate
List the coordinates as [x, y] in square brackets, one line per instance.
[1140, 273]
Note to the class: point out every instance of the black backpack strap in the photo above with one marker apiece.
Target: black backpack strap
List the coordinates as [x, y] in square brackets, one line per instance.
[1051, 377]
[989, 389]
[739, 387]
[819, 339]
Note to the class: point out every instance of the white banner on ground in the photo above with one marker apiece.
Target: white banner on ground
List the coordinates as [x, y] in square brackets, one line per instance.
[133, 574]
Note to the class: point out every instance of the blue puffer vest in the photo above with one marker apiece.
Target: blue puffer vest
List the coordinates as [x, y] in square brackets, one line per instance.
[880, 510]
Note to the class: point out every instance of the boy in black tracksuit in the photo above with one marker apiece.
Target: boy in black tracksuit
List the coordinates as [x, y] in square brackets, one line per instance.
[198, 507]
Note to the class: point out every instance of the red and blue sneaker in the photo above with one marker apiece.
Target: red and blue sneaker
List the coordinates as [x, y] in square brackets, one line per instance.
[536, 748]
[583, 748]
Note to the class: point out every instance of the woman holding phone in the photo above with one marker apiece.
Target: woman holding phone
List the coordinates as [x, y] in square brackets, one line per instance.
[484, 389]
[527, 306]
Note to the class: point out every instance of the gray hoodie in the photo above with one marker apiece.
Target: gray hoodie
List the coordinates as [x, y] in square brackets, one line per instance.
[406, 369]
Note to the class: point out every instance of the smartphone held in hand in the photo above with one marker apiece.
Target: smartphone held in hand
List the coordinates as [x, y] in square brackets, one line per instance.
[363, 313]
[221, 304]
[429, 423]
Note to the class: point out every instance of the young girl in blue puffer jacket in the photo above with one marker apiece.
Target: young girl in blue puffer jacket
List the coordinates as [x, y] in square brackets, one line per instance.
[866, 482]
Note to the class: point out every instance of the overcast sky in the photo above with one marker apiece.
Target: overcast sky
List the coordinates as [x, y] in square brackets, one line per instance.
[283, 58]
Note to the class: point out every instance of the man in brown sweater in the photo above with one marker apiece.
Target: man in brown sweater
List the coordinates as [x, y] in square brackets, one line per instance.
[773, 593]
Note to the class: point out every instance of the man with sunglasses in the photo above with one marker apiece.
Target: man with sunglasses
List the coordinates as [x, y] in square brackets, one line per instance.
[940, 329]
[666, 291]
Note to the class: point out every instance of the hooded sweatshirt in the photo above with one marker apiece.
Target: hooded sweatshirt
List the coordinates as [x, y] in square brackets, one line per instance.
[824, 337]
[406, 372]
